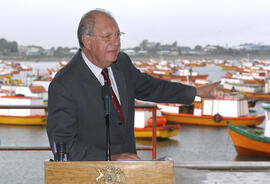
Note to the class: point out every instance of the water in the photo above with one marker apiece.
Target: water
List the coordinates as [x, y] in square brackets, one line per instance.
[214, 72]
[23, 166]
[193, 143]
[40, 67]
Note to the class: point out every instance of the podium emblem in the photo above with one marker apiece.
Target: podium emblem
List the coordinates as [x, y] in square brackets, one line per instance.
[110, 175]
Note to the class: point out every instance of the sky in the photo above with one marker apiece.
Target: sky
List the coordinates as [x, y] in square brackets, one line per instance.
[53, 23]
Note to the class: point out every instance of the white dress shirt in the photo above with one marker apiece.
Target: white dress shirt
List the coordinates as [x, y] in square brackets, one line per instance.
[97, 72]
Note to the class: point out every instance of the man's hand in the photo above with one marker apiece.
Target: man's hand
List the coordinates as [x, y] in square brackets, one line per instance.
[207, 90]
[125, 156]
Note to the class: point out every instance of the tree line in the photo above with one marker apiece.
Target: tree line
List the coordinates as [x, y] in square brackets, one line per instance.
[8, 46]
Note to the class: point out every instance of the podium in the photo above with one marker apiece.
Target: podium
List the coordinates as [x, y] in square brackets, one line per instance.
[109, 172]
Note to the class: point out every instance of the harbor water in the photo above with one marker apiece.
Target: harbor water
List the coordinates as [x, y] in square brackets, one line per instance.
[193, 143]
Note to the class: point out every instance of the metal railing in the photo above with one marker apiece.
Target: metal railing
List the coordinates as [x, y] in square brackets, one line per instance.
[147, 106]
[154, 137]
[23, 107]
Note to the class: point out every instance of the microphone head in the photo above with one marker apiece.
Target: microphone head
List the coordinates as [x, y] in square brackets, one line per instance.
[61, 147]
[105, 91]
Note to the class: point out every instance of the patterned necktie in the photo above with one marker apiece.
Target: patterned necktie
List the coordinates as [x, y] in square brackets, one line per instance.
[115, 102]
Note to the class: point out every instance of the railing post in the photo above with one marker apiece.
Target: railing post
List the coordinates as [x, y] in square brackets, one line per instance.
[154, 137]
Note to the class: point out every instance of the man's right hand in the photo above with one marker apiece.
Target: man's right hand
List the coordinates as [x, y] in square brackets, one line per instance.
[207, 90]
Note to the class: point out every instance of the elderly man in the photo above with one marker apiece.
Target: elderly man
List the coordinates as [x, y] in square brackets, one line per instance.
[75, 108]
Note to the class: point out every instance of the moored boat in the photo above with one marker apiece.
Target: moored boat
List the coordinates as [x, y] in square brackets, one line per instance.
[216, 112]
[23, 120]
[212, 120]
[228, 67]
[259, 96]
[5, 75]
[164, 131]
[252, 141]
[249, 141]
[22, 116]
[181, 77]
[253, 91]
[143, 125]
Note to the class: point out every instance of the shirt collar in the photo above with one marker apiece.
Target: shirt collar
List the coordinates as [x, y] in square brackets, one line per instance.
[95, 69]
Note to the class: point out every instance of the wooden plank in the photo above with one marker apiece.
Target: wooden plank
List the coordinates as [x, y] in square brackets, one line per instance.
[156, 172]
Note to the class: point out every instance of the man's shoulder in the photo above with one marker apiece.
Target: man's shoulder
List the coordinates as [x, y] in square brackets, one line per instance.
[69, 70]
[123, 60]
[65, 71]
[122, 55]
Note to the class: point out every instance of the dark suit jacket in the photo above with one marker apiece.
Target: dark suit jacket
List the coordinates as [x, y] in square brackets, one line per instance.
[76, 112]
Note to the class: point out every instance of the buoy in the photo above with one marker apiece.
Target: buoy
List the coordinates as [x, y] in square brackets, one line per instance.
[217, 118]
[160, 120]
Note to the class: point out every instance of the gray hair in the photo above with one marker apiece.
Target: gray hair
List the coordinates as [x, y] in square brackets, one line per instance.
[87, 23]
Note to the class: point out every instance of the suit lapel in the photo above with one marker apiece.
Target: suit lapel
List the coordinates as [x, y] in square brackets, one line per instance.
[88, 79]
[86, 73]
[121, 86]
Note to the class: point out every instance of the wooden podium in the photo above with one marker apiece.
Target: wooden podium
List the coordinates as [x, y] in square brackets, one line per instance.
[109, 172]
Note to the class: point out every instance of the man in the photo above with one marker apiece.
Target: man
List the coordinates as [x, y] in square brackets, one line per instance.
[75, 108]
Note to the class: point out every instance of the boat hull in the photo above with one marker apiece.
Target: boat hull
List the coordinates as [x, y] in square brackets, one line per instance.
[260, 96]
[23, 120]
[228, 67]
[5, 75]
[208, 120]
[249, 146]
[161, 131]
[169, 77]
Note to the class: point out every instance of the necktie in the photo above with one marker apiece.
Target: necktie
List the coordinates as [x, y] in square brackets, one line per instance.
[115, 102]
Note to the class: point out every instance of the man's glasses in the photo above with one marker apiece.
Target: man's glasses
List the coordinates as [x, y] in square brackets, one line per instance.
[109, 37]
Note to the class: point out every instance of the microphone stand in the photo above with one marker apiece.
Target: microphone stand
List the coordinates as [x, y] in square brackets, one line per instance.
[106, 93]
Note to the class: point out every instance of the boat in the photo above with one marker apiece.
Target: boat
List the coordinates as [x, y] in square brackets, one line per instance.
[23, 120]
[256, 93]
[164, 131]
[228, 67]
[5, 75]
[259, 96]
[200, 82]
[214, 112]
[143, 125]
[22, 116]
[252, 141]
[250, 90]
[24, 68]
[249, 141]
[63, 63]
[37, 89]
[181, 75]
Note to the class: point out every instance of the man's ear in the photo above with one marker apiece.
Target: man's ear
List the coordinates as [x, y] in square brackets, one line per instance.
[86, 41]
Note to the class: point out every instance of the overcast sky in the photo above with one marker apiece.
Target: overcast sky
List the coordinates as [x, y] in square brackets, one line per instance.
[50, 23]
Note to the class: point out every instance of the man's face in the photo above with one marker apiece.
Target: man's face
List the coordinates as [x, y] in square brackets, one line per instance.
[105, 45]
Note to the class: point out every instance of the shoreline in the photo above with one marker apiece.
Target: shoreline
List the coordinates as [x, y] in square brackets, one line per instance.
[35, 59]
[158, 57]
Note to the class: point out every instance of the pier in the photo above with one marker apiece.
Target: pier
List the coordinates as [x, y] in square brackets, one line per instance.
[232, 172]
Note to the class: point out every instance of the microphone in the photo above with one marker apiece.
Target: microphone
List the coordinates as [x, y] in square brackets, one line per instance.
[61, 152]
[106, 93]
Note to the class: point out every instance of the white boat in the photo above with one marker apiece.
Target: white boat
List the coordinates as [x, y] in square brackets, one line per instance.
[14, 116]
